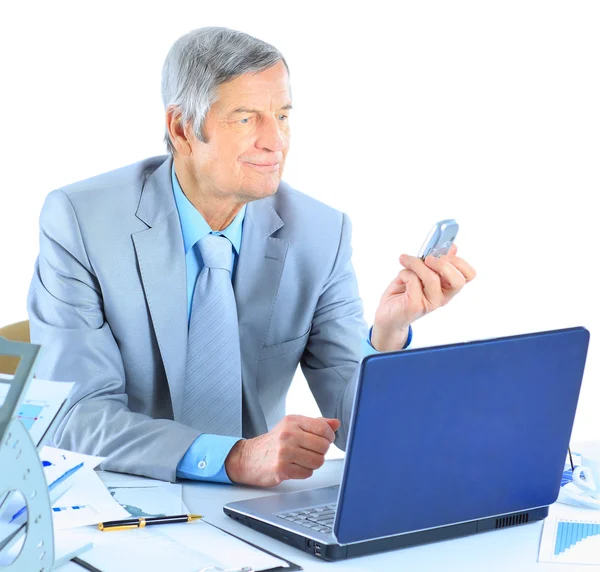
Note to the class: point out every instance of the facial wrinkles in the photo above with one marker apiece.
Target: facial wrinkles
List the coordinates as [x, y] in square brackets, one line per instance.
[231, 145]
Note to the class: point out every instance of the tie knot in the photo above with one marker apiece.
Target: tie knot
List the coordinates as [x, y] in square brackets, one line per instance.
[216, 252]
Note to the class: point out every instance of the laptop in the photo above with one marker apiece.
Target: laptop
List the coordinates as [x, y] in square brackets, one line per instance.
[444, 442]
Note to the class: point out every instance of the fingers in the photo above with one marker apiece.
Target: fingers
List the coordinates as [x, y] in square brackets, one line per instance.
[412, 284]
[315, 426]
[304, 458]
[449, 261]
[451, 278]
[308, 447]
[432, 288]
[333, 423]
[452, 274]
[297, 472]
[300, 448]
[464, 267]
[292, 450]
[314, 443]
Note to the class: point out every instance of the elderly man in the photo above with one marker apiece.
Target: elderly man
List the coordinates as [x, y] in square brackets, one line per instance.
[181, 292]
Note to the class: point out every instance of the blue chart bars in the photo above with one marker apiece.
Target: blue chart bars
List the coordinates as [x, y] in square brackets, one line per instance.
[567, 477]
[28, 414]
[76, 507]
[570, 533]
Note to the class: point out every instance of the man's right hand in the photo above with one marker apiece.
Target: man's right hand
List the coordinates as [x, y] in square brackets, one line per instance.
[293, 449]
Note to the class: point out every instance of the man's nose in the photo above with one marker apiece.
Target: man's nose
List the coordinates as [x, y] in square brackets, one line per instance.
[270, 135]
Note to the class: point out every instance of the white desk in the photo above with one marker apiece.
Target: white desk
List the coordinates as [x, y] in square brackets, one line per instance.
[512, 549]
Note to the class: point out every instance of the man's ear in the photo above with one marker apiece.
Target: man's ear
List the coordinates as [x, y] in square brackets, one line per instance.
[178, 133]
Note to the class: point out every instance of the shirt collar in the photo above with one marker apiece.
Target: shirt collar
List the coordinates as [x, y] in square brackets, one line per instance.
[193, 225]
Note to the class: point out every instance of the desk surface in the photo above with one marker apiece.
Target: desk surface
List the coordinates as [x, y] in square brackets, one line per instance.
[500, 550]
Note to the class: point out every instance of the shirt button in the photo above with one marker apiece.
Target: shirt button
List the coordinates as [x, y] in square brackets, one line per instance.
[202, 465]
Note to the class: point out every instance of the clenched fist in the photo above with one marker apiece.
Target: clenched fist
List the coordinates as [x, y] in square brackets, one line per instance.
[293, 449]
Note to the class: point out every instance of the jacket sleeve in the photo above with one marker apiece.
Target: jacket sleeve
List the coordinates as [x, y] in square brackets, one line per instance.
[336, 342]
[67, 319]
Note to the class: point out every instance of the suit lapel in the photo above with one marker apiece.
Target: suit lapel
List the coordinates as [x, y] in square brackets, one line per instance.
[256, 283]
[161, 259]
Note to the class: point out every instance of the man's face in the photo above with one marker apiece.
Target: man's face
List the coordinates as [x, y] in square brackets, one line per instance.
[247, 136]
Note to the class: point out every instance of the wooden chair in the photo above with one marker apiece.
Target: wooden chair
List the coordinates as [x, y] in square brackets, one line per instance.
[18, 332]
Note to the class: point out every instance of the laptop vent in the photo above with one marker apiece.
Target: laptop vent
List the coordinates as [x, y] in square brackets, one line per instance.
[512, 520]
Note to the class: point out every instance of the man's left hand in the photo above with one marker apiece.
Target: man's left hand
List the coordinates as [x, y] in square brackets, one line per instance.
[417, 290]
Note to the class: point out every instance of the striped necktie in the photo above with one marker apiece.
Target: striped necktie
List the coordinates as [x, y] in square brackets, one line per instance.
[213, 384]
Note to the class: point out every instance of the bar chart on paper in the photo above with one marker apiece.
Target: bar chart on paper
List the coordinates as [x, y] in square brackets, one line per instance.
[30, 413]
[40, 406]
[571, 541]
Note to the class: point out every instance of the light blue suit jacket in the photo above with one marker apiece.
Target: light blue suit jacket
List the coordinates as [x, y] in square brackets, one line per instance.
[108, 304]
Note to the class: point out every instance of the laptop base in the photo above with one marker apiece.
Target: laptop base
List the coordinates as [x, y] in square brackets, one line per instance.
[333, 552]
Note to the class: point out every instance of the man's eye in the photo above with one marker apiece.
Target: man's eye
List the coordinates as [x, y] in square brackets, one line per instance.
[245, 120]
[282, 117]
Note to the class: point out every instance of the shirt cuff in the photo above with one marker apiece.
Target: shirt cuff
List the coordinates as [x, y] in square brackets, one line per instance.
[205, 459]
[368, 349]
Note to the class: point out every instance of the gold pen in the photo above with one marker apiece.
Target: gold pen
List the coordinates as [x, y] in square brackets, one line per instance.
[142, 522]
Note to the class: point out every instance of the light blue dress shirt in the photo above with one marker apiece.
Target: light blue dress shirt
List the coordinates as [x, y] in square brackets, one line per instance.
[205, 459]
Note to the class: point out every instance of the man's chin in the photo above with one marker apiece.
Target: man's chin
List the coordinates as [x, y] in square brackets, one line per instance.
[260, 191]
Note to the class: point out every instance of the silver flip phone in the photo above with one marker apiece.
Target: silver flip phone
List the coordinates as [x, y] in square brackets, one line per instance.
[440, 239]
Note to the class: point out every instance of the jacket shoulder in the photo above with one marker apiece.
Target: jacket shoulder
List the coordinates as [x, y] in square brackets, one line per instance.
[131, 176]
[301, 211]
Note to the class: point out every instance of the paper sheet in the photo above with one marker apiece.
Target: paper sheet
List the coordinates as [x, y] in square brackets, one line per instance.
[166, 500]
[79, 500]
[183, 547]
[57, 462]
[570, 541]
[86, 502]
[61, 470]
[141, 496]
[570, 493]
[41, 404]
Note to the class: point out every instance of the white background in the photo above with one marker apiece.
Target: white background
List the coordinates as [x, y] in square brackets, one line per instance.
[404, 114]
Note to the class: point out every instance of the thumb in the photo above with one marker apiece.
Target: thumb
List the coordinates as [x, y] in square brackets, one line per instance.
[412, 284]
[333, 423]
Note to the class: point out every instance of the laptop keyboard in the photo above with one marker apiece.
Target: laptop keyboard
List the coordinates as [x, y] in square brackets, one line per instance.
[317, 518]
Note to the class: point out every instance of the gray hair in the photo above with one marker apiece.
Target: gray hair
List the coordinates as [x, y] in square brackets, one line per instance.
[203, 59]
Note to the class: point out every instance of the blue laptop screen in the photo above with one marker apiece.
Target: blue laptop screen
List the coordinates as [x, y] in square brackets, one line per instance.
[457, 433]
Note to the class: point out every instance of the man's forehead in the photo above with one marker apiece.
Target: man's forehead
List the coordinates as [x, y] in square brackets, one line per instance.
[254, 101]
[267, 88]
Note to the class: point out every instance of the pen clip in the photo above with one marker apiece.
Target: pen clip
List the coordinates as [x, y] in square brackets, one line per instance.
[213, 568]
[121, 527]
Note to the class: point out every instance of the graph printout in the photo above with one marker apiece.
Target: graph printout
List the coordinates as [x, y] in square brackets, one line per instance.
[570, 541]
[41, 404]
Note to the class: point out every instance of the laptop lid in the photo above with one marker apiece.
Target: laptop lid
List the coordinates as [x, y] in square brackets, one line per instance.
[456, 433]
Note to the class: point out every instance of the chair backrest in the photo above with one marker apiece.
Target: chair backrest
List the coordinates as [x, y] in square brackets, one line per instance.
[18, 332]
